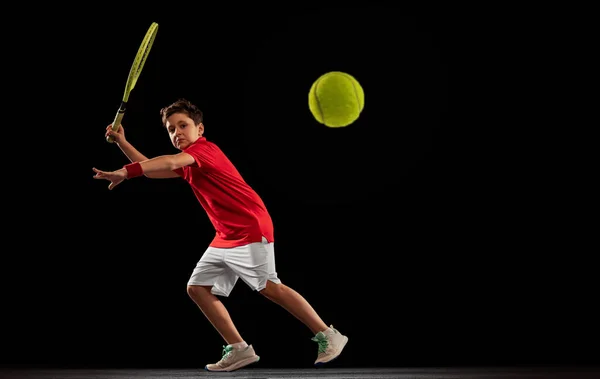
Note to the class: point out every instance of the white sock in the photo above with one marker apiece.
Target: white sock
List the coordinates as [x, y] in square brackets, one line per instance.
[329, 331]
[239, 345]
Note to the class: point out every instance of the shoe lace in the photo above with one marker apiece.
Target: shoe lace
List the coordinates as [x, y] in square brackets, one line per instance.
[226, 351]
[322, 341]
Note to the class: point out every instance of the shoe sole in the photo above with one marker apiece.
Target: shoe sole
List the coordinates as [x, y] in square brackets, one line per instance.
[318, 364]
[237, 365]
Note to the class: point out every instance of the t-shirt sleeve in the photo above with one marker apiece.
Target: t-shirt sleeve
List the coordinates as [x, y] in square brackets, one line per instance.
[204, 159]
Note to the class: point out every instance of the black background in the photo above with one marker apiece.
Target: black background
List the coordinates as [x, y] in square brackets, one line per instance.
[430, 231]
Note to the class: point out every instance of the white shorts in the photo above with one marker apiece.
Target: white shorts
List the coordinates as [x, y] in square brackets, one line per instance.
[221, 267]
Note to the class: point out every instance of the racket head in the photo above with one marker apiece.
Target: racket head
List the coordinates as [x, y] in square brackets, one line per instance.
[140, 59]
[134, 73]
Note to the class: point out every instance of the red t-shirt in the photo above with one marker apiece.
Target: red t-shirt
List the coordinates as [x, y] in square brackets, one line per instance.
[236, 211]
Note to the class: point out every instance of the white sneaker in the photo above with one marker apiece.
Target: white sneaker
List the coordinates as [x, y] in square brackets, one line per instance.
[331, 343]
[234, 359]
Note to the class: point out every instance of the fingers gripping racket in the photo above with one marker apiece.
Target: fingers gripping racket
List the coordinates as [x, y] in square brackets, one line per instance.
[134, 74]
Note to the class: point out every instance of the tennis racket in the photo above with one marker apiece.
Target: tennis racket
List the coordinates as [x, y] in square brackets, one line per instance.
[134, 74]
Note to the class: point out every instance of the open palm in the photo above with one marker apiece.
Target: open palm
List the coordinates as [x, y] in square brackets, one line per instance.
[114, 177]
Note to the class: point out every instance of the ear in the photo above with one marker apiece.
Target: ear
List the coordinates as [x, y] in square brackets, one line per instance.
[200, 129]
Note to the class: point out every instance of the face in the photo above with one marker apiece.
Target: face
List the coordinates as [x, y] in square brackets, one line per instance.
[182, 130]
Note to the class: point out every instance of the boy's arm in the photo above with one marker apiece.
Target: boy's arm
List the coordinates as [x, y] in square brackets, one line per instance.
[135, 156]
[163, 163]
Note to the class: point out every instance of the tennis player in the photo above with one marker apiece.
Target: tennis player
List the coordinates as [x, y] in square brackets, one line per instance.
[243, 246]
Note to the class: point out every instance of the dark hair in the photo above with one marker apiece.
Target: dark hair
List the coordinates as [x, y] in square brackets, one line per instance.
[182, 106]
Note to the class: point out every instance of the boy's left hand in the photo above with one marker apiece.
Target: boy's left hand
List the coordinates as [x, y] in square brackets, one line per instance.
[115, 177]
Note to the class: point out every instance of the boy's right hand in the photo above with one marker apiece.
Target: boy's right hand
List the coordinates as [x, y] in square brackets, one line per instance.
[118, 136]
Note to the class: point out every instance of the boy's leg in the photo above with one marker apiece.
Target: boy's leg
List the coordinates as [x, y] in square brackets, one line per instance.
[215, 312]
[257, 269]
[294, 303]
[255, 265]
[331, 342]
[210, 278]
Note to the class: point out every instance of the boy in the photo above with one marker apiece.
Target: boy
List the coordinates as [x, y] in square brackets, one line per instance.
[243, 246]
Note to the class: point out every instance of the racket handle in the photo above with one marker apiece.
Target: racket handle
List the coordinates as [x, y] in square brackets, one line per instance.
[117, 121]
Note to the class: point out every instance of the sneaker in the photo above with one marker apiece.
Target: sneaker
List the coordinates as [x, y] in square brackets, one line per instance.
[331, 343]
[234, 359]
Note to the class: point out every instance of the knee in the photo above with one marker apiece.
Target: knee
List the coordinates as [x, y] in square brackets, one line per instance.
[197, 291]
[272, 290]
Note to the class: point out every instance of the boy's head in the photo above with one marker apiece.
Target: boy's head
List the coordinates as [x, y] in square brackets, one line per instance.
[183, 121]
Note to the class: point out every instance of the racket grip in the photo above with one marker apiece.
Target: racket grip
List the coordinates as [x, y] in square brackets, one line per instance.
[117, 121]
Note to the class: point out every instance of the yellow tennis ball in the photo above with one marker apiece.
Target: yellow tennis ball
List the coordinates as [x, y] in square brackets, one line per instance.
[336, 99]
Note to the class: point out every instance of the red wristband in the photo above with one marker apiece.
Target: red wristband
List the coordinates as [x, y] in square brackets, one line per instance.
[134, 170]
